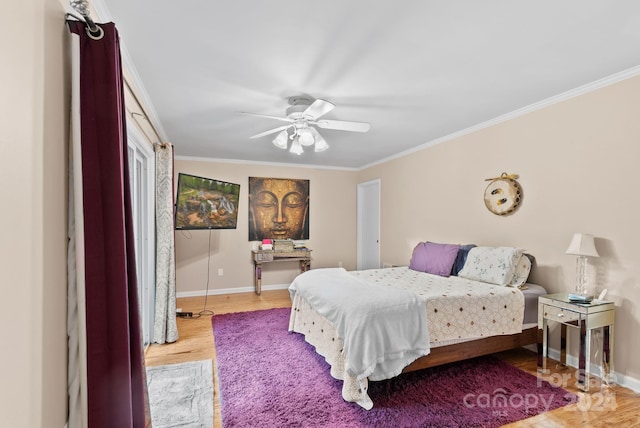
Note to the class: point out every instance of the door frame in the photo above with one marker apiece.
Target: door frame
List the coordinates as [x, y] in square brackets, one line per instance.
[145, 217]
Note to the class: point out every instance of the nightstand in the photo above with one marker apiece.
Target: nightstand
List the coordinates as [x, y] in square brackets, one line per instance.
[582, 316]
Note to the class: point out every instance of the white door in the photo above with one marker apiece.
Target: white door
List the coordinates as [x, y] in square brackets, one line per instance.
[142, 179]
[369, 225]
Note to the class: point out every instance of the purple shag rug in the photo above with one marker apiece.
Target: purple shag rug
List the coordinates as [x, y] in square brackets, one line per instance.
[269, 377]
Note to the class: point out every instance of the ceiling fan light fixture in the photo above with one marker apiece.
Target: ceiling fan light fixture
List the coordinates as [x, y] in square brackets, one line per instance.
[321, 143]
[302, 117]
[305, 136]
[321, 146]
[281, 140]
[296, 147]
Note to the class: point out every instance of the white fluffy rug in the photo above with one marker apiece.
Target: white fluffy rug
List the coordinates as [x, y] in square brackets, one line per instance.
[181, 395]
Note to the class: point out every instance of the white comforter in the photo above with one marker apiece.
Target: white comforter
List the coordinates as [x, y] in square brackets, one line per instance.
[383, 329]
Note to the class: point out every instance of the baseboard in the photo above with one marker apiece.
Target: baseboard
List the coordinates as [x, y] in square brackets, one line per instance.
[628, 382]
[219, 291]
[617, 378]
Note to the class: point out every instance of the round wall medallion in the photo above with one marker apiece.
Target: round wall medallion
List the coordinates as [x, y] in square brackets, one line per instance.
[503, 195]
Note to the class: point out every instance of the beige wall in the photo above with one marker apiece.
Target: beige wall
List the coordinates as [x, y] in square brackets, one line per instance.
[578, 166]
[332, 228]
[33, 135]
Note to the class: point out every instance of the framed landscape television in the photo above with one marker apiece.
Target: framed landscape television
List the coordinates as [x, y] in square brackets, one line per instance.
[205, 203]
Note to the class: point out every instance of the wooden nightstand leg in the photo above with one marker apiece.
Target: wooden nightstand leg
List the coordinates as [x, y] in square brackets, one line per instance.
[305, 265]
[257, 278]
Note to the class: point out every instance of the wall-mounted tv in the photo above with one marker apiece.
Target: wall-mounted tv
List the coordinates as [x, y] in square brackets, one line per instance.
[204, 203]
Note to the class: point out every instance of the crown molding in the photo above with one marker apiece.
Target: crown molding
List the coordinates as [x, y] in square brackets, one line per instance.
[262, 163]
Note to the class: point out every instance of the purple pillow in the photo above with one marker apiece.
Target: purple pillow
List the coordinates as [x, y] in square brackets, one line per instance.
[433, 258]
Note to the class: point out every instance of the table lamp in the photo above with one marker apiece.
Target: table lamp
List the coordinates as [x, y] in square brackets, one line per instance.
[583, 246]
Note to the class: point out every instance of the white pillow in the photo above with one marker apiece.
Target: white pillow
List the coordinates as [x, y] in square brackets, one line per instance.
[523, 268]
[495, 265]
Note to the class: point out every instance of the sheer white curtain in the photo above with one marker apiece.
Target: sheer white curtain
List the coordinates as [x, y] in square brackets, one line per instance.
[76, 313]
[165, 328]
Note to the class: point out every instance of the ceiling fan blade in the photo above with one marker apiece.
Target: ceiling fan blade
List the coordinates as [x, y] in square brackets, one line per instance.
[343, 125]
[283, 119]
[271, 131]
[319, 108]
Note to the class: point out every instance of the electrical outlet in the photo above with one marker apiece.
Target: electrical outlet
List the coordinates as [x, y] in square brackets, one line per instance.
[220, 272]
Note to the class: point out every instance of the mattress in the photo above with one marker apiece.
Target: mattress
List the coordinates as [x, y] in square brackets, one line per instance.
[531, 293]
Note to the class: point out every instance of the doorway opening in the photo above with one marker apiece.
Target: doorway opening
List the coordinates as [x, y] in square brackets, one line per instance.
[142, 181]
[368, 212]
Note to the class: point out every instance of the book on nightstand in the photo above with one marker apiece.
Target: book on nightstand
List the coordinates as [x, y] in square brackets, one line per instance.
[299, 245]
[580, 298]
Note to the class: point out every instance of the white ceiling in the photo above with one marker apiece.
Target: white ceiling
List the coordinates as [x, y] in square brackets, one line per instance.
[417, 70]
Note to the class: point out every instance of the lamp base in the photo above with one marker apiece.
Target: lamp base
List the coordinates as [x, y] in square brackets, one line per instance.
[581, 275]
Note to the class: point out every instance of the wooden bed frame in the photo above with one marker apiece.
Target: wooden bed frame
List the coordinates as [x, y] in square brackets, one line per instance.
[475, 348]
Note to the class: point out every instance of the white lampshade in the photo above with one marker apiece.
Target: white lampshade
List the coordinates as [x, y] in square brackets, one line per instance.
[305, 137]
[296, 148]
[321, 144]
[281, 140]
[582, 244]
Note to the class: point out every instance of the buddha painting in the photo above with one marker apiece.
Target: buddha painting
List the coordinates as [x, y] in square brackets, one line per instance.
[278, 208]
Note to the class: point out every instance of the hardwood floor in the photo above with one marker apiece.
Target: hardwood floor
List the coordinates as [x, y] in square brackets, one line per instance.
[601, 407]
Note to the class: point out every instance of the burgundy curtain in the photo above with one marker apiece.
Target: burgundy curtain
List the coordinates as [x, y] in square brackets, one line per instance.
[115, 381]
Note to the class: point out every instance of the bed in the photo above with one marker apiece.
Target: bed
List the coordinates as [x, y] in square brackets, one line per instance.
[375, 324]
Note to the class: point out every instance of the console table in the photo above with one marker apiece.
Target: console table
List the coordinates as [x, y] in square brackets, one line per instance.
[582, 316]
[259, 257]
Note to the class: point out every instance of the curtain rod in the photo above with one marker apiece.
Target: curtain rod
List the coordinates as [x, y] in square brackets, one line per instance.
[82, 7]
[143, 114]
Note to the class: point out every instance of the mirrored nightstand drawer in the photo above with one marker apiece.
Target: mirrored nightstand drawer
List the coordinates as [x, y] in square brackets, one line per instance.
[560, 314]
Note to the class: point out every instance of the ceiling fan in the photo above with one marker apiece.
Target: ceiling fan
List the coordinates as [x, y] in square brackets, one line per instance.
[302, 116]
